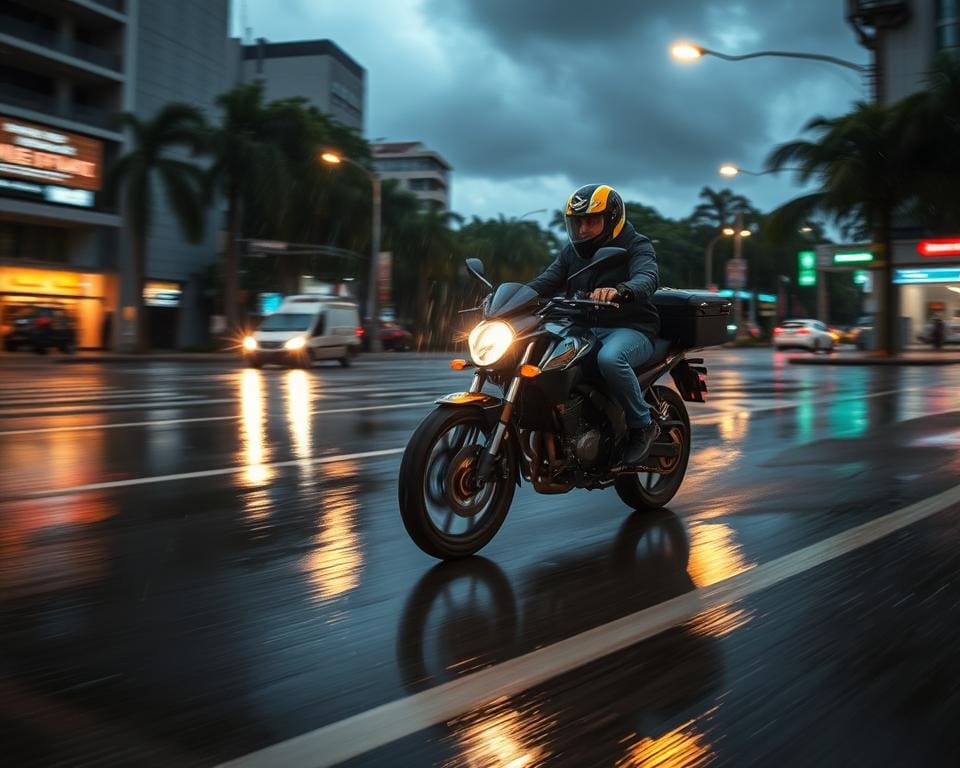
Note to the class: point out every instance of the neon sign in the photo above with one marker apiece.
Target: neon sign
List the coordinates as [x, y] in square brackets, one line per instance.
[939, 247]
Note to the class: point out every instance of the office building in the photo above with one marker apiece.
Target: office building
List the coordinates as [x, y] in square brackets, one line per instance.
[906, 36]
[317, 70]
[67, 69]
[417, 169]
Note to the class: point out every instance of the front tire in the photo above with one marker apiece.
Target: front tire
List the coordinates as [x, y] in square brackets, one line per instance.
[645, 491]
[435, 488]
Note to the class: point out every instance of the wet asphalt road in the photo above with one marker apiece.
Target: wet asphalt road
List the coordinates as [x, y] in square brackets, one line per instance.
[197, 562]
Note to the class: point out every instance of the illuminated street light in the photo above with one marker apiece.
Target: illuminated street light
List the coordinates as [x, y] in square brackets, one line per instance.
[371, 321]
[684, 51]
[730, 170]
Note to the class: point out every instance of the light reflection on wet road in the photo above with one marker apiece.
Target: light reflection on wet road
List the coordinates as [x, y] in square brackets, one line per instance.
[200, 619]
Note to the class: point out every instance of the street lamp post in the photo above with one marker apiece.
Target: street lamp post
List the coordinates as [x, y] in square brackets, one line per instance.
[730, 170]
[708, 257]
[692, 52]
[371, 319]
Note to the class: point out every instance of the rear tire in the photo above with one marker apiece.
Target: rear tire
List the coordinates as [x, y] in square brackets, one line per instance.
[430, 462]
[648, 491]
[347, 358]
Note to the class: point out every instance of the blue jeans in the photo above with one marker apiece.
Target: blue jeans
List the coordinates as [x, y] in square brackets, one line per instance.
[622, 350]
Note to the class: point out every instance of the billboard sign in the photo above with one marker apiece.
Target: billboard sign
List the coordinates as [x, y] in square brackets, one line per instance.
[736, 273]
[57, 166]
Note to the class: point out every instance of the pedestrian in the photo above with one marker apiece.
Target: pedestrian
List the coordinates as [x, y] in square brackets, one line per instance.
[937, 332]
[106, 330]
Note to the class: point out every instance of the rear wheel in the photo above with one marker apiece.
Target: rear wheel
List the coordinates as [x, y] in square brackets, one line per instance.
[652, 490]
[442, 510]
[347, 358]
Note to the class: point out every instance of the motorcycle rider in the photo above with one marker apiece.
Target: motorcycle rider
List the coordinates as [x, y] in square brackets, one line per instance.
[595, 217]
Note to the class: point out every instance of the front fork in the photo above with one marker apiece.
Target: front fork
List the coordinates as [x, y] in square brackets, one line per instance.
[491, 450]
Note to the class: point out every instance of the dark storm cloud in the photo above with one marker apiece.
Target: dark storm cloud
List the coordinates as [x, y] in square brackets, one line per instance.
[627, 110]
[565, 91]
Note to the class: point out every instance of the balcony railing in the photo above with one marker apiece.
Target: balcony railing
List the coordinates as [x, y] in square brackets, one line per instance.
[49, 39]
[116, 5]
[46, 104]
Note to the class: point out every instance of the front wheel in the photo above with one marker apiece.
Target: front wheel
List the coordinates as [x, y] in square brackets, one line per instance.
[652, 490]
[442, 510]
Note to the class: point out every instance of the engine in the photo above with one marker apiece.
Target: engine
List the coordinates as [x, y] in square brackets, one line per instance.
[582, 437]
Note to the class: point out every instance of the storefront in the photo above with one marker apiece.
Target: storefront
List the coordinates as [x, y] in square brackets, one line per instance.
[89, 298]
[928, 275]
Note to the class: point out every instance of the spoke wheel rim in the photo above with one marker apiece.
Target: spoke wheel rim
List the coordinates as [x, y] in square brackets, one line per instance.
[454, 508]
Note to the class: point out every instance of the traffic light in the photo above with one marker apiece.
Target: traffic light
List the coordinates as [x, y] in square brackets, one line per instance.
[806, 268]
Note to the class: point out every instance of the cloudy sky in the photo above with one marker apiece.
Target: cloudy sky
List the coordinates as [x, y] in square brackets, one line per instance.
[529, 99]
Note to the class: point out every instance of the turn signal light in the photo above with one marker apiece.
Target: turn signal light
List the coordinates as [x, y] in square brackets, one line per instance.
[529, 371]
[458, 364]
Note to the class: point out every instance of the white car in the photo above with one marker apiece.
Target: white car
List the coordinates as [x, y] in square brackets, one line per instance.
[803, 334]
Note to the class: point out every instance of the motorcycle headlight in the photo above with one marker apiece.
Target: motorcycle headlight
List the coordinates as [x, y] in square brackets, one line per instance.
[297, 342]
[489, 341]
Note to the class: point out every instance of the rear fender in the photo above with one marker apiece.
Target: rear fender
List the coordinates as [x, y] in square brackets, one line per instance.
[490, 407]
[690, 378]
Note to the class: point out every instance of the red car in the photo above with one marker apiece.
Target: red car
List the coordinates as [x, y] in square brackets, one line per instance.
[392, 336]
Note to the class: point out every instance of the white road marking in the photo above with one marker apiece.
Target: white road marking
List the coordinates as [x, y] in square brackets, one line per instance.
[385, 724]
[196, 419]
[198, 474]
[69, 410]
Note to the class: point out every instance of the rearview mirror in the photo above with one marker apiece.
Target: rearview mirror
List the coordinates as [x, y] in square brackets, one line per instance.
[475, 268]
[607, 253]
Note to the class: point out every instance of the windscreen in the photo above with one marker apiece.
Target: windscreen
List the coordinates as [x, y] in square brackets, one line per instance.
[286, 321]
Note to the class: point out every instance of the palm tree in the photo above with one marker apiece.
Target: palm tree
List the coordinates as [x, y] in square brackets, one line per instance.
[720, 208]
[249, 169]
[865, 173]
[175, 126]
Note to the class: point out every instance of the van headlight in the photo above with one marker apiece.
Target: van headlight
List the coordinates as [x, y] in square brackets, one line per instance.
[489, 341]
[297, 342]
[250, 344]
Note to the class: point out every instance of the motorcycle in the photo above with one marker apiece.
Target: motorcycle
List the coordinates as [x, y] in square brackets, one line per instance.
[554, 424]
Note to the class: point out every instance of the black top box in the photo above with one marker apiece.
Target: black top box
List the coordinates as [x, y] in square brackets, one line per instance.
[692, 318]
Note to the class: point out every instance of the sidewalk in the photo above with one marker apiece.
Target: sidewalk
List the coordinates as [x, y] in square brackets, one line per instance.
[945, 356]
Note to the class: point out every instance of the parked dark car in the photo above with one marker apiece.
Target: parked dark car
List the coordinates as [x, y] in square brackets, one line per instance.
[38, 328]
[392, 336]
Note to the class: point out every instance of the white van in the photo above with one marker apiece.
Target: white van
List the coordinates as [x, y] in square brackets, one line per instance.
[304, 329]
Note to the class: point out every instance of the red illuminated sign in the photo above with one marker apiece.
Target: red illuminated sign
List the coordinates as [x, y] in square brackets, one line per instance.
[939, 247]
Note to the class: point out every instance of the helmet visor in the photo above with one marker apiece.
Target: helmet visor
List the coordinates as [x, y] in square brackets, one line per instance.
[583, 228]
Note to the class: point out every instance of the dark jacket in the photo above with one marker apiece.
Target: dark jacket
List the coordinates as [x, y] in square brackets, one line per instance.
[637, 271]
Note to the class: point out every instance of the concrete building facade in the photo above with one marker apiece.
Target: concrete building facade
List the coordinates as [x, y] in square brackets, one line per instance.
[419, 170]
[317, 70]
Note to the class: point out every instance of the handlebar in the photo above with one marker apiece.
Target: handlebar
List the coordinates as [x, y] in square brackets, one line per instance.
[581, 303]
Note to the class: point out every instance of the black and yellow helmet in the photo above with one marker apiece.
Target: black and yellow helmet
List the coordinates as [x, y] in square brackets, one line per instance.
[587, 208]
